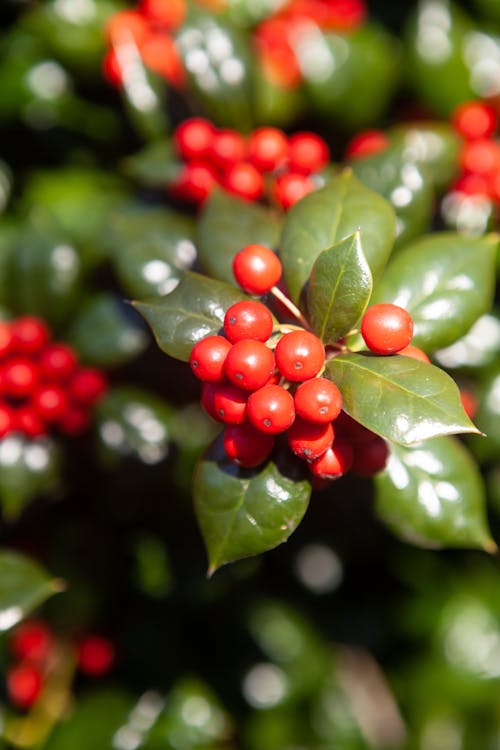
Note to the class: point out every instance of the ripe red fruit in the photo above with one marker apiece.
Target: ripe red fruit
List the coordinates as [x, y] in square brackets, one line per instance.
[244, 180]
[386, 328]
[308, 153]
[32, 640]
[246, 445]
[256, 269]
[207, 400]
[267, 148]
[228, 148]
[271, 409]
[6, 338]
[19, 377]
[24, 684]
[249, 364]
[370, 457]
[473, 184]
[29, 334]
[366, 143]
[57, 362]
[195, 183]
[481, 156]
[87, 386]
[318, 400]
[124, 26]
[248, 320]
[75, 420]
[28, 421]
[469, 402]
[300, 355]
[7, 420]
[167, 13]
[194, 137]
[160, 54]
[112, 68]
[475, 120]
[291, 187]
[415, 353]
[95, 655]
[207, 358]
[310, 440]
[351, 430]
[229, 403]
[334, 462]
[50, 402]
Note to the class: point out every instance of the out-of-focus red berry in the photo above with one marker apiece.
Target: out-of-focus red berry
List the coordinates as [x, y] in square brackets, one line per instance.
[24, 684]
[32, 640]
[366, 143]
[96, 655]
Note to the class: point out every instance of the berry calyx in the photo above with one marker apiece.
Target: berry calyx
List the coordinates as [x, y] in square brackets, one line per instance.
[248, 320]
[335, 461]
[267, 149]
[271, 409]
[318, 400]
[247, 446]
[207, 358]
[310, 440]
[370, 458]
[386, 328]
[249, 364]
[256, 269]
[300, 355]
[24, 684]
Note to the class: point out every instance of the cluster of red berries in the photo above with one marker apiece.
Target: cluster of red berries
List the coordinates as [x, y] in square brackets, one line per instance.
[479, 158]
[263, 383]
[42, 386]
[267, 163]
[145, 36]
[34, 647]
[366, 143]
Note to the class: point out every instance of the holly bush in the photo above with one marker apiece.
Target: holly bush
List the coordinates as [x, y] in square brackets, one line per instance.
[248, 296]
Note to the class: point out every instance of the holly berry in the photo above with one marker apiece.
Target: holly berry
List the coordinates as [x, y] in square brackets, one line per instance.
[310, 440]
[207, 358]
[29, 334]
[370, 457]
[167, 13]
[159, 53]
[351, 430]
[300, 355]
[75, 420]
[207, 400]
[249, 364]
[386, 328]
[271, 409]
[27, 420]
[50, 402]
[267, 149]
[7, 419]
[194, 137]
[228, 148]
[32, 640]
[95, 655]
[414, 352]
[195, 183]
[112, 68]
[88, 386]
[247, 446]
[308, 153]
[256, 269]
[57, 362]
[19, 377]
[475, 120]
[481, 156]
[335, 461]
[6, 338]
[125, 25]
[229, 403]
[24, 684]
[244, 180]
[366, 143]
[248, 320]
[318, 400]
[291, 187]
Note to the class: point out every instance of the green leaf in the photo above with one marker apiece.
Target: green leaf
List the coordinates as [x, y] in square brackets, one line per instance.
[227, 224]
[28, 468]
[156, 165]
[339, 289]
[445, 281]
[326, 217]
[245, 512]
[195, 309]
[402, 399]
[433, 145]
[24, 585]
[432, 494]
[106, 332]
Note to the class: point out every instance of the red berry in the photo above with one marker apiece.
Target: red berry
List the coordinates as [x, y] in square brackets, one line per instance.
[160, 54]
[87, 386]
[167, 13]
[267, 149]
[112, 68]
[248, 320]
[310, 440]
[207, 400]
[249, 364]
[228, 149]
[194, 138]
[95, 655]
[472, 184]
[19, 377]
[318, 400]
[256, 269]
[74, 421]
[415, 353]
[475, 120]
[229, 403]
[124, 26]
[386, 328]
[7, 420]
[32, 640]
[57, 362]
[300, 355]
[245, 181]
[50, 402]
[247, 446]
[351, 430]
[271, 409]
[366, 143]
[24, 684]
[28, 421]
[334, 462]
[469, 402]
[291, 187]
[370, 457]
[195, 183]
[29, 334]
[207, 358]
[6, 337]
[308, 153]
[481, 156]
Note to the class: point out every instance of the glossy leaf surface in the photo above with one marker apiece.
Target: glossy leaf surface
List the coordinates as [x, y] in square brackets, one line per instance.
[400, 398]
[24, 585]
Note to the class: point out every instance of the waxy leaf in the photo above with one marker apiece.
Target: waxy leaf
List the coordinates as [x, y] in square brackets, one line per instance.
[339, 289]
[445, 281]
[244, 512]
[402, 399]
[194, 309]
[24, 585]
[226, 225]
[156, 165]
[432, 494]
[326, 217]
[435, 146]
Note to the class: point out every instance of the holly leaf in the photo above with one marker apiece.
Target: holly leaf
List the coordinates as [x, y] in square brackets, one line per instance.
[326, 217]
[400, 398]
[195, 309]
[340, 286]
[226, 225]
[445, 281]
[435, 146]
[244, 512]
[24, 585]
[432, 495]
[156, 165]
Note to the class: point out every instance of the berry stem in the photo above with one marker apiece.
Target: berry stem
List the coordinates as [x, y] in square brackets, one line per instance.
[290, 306]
